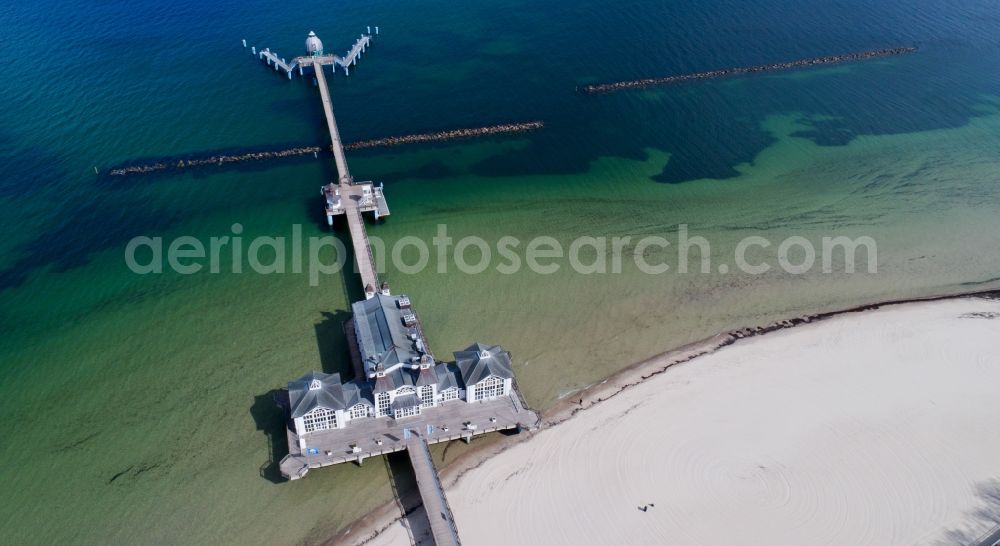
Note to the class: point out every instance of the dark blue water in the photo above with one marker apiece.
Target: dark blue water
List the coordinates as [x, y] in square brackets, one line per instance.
[96, 84]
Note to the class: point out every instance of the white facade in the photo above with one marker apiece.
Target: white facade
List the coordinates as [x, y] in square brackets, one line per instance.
[404, 388]
[449, 394]
[427, 395]
[488, 389]
[359, 411]
[318, 420]
[406, 412]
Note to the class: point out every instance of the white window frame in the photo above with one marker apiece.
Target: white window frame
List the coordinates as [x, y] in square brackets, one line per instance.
[427, 396]
[319, 419]
[490, 388]
[405, 390]
[359, 411]
[406, 412]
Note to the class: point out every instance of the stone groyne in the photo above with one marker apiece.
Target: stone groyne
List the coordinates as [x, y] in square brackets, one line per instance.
[725, 72]
[162, 165]
[452, 134]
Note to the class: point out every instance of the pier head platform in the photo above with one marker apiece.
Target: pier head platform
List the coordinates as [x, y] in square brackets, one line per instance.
[457, 420]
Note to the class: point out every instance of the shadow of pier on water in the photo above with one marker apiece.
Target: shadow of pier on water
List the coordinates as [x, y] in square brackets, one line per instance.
[270, 418]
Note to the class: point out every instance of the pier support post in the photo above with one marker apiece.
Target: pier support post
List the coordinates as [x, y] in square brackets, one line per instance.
[369, 30]
[300, 70]
[346, 72]
[376, 31]
[253, 49]
[244, 43]
[289, 74]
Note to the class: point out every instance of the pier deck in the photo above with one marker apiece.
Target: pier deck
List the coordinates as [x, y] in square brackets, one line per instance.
[331, 123]
[317, 62]
[362, 250]
[374, 437]
[278, 62]
[344, 62]
[443, 527]
[355, 52]
[351, 194]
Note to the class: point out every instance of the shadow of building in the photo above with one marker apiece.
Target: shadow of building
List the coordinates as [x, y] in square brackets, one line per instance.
[269, 412]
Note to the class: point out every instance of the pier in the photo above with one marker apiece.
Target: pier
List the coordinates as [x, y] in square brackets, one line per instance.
[375, 437]
[336, 146]
[317, 58]
[443, 527]
[352, 198]
[401, 398]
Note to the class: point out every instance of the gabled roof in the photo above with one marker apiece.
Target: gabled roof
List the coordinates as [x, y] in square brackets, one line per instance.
[364, 401]
[426, 376]
[317, 389]
[478, 361]
[400, 377]
[405, 401]
[448, 376]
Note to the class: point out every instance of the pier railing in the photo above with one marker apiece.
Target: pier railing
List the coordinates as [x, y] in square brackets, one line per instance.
[317, 62]
[443, 526]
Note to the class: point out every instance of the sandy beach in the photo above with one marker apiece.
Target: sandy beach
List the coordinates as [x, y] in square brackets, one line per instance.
[876, 427]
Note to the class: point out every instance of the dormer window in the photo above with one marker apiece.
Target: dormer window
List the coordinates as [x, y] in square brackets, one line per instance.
[484, 354]
[315, 385]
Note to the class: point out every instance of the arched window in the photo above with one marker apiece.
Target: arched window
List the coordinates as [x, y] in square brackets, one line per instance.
[358, 411]
[427, 396]
[491, 387]
[320, 419]
[449, 394]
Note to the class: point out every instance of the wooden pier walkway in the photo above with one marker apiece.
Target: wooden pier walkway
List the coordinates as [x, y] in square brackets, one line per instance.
[355, 53]
[317, 61]
[443, 527]
[276, 61]
[362, 250]
[331, 123]
[352, 204]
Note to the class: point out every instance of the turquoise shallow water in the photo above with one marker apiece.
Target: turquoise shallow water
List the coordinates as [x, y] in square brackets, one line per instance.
[136, 408]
